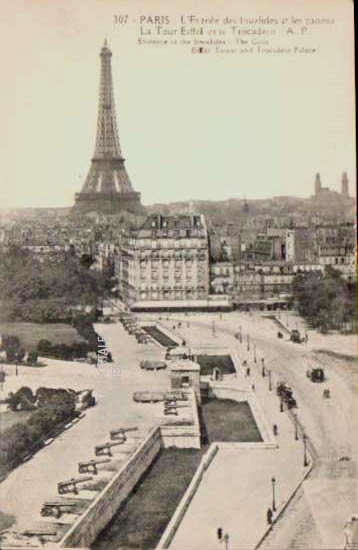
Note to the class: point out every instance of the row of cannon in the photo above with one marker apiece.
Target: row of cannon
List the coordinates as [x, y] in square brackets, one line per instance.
[71, 486]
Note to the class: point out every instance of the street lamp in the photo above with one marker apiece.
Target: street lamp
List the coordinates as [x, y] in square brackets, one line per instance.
[254, 353]
[223, 538]
[305, 459]
[213, 327]
[263, 368]
[273, 481]
[296, 428]
[248, 342]
[270, 384]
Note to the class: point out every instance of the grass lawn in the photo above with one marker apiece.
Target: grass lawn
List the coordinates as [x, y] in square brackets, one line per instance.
[8, 418]
[142, 519]
[160, 337]
[208, 362]
[31, 333]
[228, 420]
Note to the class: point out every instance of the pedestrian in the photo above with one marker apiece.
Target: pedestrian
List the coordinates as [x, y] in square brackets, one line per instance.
[275, 430]
[248, 371]
[269, 516]
[253, 387]
[220, 533]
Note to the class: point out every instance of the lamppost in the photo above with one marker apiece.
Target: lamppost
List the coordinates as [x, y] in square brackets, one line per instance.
[263, 368]
[273, 481]
[281, 403]
[296, 428]
[305, 459]
[223, 538]
[248, 342]
[270, 384]
[254, 353]
[213, 327]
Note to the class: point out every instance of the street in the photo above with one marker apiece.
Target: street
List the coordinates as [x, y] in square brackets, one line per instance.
[331, 424]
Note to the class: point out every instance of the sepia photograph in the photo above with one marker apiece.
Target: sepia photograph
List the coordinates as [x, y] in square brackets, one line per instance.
[178, 275]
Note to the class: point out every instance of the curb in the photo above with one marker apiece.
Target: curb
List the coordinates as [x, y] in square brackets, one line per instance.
[313, 455]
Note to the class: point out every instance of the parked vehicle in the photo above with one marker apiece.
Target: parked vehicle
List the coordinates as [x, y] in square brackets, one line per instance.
[296, 336]
[286, 393]
[316, 374]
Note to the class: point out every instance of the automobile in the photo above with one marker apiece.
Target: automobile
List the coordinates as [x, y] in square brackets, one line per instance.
[285, 391]
[316, 374]
[296, 336]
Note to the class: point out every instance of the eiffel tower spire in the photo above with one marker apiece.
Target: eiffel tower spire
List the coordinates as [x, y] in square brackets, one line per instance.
[107, 187]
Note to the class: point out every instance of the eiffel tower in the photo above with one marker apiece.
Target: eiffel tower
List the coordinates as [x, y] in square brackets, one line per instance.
[107, 188]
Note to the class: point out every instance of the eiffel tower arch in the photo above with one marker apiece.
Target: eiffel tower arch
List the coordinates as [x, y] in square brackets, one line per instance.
[107, 188]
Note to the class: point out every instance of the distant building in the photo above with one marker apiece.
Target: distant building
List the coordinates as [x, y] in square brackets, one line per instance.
[345, 185]
[166, 259]
[326, 193]
[317, 185]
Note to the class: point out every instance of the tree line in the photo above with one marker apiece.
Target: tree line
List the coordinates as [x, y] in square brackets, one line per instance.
[326, 300]
[35, 291]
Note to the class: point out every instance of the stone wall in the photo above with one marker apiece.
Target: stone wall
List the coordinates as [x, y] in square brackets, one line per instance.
[86, 529]
[184, 436]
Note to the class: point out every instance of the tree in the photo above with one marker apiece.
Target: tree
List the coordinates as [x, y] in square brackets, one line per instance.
[32, 357]
[326, 299]
[44, 346]
[11, 345]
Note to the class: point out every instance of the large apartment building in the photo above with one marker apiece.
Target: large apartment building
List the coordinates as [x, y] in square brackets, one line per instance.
[167, 259]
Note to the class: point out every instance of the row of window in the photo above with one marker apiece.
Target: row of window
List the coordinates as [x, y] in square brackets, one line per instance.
[172, 295]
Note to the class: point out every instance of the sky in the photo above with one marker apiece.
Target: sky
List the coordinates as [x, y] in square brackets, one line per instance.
[208, 127]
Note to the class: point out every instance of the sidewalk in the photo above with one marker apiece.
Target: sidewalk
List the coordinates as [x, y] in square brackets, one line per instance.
[236, 491]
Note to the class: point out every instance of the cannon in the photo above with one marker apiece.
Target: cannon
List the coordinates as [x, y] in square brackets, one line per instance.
[174, 406]
[120, 433]
[56, 509]
[70, 486]
[91, 465]
[171, 411]
[105, 448]
[41, 532]
[170, 402]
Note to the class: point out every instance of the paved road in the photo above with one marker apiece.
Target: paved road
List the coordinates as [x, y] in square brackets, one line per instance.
[332, 425]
